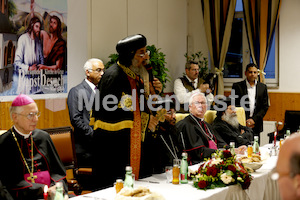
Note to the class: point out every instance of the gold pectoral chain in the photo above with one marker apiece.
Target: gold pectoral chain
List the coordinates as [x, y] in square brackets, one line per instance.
[31, 177]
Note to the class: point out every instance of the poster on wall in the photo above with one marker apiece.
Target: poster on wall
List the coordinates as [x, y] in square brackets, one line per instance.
[33, 47]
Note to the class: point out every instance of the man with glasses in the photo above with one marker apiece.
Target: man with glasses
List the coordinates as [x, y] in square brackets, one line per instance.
[227, 125]
[30, 160]
[80, 102]
[198, 137]
[124, 117]
[184, 86]
[288, 168]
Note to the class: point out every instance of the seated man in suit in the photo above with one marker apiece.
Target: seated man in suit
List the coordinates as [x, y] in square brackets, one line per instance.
[227, 125]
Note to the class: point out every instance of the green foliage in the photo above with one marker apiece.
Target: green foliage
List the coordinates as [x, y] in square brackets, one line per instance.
[157, 61]
[202, 62]
[113, 59]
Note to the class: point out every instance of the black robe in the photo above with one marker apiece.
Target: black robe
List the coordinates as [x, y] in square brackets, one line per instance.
[231, 134]
[111, 139]
[12, 169]
[160, 154]
[195, 140]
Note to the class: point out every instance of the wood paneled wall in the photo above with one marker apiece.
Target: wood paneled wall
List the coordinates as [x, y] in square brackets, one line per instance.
[48, 118]
[280, 102]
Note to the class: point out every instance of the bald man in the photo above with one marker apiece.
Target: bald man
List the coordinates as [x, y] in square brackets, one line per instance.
[288, 168]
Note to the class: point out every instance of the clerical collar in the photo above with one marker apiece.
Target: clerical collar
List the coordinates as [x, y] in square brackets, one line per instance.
[22, 134]
[199, 119]
[92, 85]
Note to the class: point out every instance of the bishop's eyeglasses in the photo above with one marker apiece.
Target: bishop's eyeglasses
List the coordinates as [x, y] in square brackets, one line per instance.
[31, 115]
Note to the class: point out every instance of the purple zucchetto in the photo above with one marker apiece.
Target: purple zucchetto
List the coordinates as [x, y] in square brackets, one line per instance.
[22, 100]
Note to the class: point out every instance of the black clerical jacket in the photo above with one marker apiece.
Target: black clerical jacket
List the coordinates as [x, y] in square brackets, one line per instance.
[196, 142]
[12, 168]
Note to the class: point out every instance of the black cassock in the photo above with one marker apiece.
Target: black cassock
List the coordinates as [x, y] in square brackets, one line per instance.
[196, 142]
[12, 168]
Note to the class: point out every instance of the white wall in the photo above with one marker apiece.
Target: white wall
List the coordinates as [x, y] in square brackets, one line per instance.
[95, 26]
[289, 43]
[104, 22]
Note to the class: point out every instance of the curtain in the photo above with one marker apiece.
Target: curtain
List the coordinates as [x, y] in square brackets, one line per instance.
[261, 17]
[218, 16]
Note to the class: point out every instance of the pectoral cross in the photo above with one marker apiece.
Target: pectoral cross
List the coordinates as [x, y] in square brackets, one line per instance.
[32, 177]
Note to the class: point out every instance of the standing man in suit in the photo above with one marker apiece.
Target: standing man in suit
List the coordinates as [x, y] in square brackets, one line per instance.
[80, 101]
[253, 97]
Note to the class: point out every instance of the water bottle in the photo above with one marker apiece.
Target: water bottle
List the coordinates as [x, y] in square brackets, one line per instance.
[287, 133]
[128, 182]
[255, 145]
[184, 168]
[232, 146]
[59, 194]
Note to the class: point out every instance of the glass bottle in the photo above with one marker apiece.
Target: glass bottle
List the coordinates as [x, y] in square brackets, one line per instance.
[232, 146]
[128, 182]
[255, 145]
[184, 168]
[59, 193]
[287, 133]
[175, 173]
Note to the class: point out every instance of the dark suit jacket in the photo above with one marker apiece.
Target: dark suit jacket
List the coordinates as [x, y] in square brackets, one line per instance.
[79, 113]
[261, 103]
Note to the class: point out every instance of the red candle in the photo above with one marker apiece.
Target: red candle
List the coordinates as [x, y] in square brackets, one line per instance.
[46, 192]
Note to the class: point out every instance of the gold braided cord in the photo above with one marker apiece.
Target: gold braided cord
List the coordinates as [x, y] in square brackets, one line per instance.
[30, 172]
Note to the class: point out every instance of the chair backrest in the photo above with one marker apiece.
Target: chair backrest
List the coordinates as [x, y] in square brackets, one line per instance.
[63, 140]
[292, 120]
[210, 115]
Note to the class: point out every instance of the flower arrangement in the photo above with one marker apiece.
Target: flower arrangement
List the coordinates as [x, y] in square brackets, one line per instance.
[220, 171]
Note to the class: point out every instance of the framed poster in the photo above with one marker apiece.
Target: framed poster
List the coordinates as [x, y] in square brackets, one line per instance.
[33, 47]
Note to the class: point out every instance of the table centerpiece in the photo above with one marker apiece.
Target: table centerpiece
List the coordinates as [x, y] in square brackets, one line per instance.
[222, 170]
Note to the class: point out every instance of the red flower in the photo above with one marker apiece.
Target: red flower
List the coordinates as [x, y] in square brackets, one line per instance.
[202, 184]
[232, 168]
[227, 154]
[213, 171]
[246, 183]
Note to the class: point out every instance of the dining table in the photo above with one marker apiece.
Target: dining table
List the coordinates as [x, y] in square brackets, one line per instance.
[262, 187]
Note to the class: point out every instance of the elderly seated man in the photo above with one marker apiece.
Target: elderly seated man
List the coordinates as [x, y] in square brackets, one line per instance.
[227, 125]
[199, 139]
[30, 160]
[288, 168]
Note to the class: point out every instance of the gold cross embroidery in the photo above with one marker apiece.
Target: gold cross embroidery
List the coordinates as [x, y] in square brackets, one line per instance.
[32, 177]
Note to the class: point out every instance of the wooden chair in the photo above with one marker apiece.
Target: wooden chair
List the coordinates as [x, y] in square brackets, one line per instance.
[63, 140]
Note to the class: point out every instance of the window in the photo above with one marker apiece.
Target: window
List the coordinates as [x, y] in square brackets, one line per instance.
[238, 55]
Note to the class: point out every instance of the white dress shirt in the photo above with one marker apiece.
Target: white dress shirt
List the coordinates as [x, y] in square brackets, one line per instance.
[182, 94]
[92, 85]
[251, 95]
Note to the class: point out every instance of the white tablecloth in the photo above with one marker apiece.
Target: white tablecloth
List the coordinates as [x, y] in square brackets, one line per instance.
[262, 188]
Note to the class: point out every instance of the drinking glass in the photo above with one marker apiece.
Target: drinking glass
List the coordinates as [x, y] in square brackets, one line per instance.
[169, 175]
